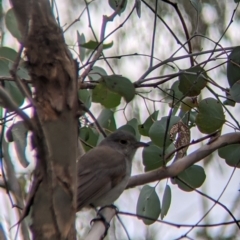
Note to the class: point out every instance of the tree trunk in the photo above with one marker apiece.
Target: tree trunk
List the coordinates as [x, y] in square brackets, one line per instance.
[54, 75]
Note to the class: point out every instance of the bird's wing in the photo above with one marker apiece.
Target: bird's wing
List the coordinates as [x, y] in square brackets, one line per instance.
[99, 170]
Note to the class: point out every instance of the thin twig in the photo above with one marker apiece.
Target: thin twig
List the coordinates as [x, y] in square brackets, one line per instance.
[175, 5]
[95, 121]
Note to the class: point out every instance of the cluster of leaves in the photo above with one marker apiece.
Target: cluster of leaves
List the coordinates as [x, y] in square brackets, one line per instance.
[17, 133]
[207, 115]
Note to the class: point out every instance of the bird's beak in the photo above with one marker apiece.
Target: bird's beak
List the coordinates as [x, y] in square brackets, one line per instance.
[141, 144]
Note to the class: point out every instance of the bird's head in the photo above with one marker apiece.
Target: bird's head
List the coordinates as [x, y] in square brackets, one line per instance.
[124, 142]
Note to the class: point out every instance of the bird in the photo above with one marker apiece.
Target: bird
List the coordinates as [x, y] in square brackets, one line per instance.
[104, 171]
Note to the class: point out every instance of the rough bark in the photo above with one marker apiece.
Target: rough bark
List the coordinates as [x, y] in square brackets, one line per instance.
[54, 76]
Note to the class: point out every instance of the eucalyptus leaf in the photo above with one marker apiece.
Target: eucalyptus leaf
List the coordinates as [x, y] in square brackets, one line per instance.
[94, 45]
[89, 137]
[15, 93]
[8, 54]
[101, 94]
[194, 176]
[153, 156]
[231, 154]
[159, 128]
[174, 94]
[166, 202]
[138, 7]
[81, 50]
[197, 5]
[120, 85]
[235, 91]
[144, 128]
[233, 69]
[96, 73]
[12, 24]
[148, 205]
[86, 97]
[114, 4]
[4, 69]
[128, 128]
[107, 121]
[192, 81]
[134, 123]
[19, 134]
[210, 116]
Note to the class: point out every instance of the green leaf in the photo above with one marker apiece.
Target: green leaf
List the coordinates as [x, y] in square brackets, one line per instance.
[11, 87]
[138, 7]
[96, 73]
[19, 134]
[229, 102]
[192, 81]
[86, 97]
[175, 94]
[158, 129]
[194, 176]
[101, 94]
[89, 136]
[128, 128]
[115, 3]
[134, 123]
[197, 5]
[210, 116]
[153, 156]
[235, 91]
[132, 127]
[110, 89]
[93, 45]
[15, 93]
[4, 70]
[148, 205]
[8, 54]
[231, 154]
[188, 103]
[1, 112]
[81, 50]
[188, 118]
[233, 69]
[144, 128]
[22, 72]
[106, 120]
[121, 85]
[12, 25]
[166, 202]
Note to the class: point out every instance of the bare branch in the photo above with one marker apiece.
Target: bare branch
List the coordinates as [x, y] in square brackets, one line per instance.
[185, 162]
[105, 20]
[98, 228]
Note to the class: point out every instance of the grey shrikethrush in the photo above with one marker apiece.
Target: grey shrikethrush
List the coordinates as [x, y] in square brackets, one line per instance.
[104, 171]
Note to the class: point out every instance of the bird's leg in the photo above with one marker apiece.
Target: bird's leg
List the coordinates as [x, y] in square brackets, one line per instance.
[110, 206]
[102, 218]
[106, 224]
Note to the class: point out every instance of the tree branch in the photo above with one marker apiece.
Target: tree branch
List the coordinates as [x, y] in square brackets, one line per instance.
[185, 162]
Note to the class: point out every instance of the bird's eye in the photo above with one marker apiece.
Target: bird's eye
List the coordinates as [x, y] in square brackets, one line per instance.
[124, 142]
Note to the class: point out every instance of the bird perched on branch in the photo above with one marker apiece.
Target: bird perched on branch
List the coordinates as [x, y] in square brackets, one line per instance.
[104, 171]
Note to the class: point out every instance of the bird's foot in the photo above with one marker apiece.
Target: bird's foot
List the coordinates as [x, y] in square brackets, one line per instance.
[104, 221]
[102, 218]
[109, 206]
